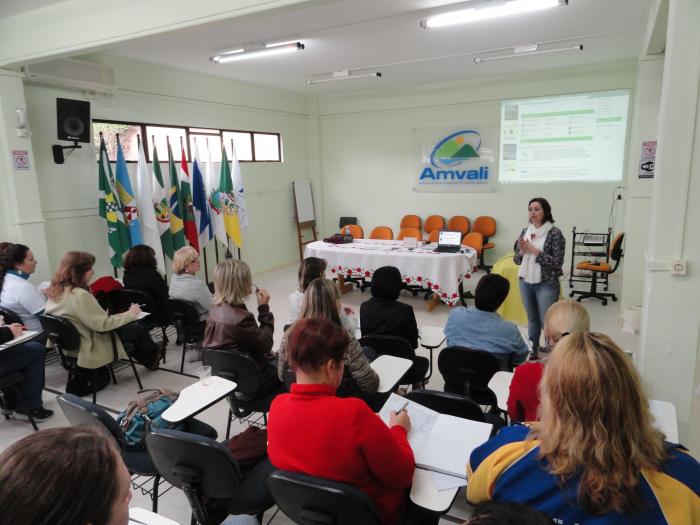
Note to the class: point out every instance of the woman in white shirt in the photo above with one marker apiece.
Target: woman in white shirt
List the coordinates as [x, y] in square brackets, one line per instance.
[17, 263]
[185, 284]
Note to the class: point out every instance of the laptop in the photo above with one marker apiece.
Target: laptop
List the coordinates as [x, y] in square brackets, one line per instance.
[449, 241]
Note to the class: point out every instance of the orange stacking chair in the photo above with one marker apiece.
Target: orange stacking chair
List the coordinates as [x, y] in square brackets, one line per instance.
[434, 222]
[433, 237]
[355, 230]
[486, 226]
[604, 269]
[409, 232]
[383, 233]
[410, 221]
[459, 223]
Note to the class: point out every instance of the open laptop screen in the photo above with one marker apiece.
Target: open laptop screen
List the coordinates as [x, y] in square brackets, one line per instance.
[449, 238]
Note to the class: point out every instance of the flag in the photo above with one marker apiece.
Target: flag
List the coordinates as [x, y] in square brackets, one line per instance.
[228, 201]
[111, 211]
[216, 213]
[126, 198]
[199, 200]
[162, 209]
[176, 224]
[237, 180]
[187, 207]
[144, 200]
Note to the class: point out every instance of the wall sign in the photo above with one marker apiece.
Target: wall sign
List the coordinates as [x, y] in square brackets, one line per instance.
[20, 159]
[461, 160]
[648, 160]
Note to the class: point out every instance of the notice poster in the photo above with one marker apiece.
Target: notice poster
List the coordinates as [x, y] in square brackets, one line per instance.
[648, 160]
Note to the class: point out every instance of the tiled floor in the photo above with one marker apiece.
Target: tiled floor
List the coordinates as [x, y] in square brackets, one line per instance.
[279, 283]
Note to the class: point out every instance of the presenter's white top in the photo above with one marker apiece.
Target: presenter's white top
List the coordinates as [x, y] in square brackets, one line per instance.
[23, 298]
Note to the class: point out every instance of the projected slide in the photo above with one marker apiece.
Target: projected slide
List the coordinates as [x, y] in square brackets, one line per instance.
[569, 138]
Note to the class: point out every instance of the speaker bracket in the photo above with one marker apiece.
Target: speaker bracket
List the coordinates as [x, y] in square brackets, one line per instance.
[58, 156]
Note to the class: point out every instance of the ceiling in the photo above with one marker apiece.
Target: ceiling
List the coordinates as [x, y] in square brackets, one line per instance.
[348, 34]
[10, 8]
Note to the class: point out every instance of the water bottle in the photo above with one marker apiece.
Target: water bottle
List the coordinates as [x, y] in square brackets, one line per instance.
[347, 231]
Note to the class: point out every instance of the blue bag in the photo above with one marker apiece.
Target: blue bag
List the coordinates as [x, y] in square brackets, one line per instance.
[144, 413]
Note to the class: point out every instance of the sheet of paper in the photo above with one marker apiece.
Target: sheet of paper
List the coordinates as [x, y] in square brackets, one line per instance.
[447, 482]
[28, 334]
[142, 315]
[422, 419]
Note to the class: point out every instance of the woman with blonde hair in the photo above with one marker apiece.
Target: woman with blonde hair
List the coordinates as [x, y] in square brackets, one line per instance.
[231, 324]
[563, 318]
[322, 300]
[185, 285]
[594, 458]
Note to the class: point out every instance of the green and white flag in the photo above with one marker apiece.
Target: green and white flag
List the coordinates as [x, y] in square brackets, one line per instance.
[111, 211]
[150, 234]
[162, 208]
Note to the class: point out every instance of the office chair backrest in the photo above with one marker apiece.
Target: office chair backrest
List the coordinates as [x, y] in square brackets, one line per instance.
[409, 232]
[120, 300]
[9, 316]
[434, 222]
[434, 236]
[616, 247]
[410, 221]
[474, 240]
[61, 332]
[389, 345]
[485, 225]
[382, 232]
[471, 368]
[448, 403]
[314, 501]
[80, 412]
[183, 311]
[235, 365]
[346, 220]
[459, 223]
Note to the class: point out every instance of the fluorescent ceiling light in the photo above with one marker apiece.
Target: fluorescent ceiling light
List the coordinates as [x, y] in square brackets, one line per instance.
[489, 10]
[343, 75]
[260, 50]
[516, 53]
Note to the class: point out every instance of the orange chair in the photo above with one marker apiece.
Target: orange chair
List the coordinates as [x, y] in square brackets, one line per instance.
[355, 230]
[486, 226]
[409, 232]
[433, 237]
[382, 232]
[459, 223]
[602, 268]
[410, 221]
[434, 222]
[474, 240]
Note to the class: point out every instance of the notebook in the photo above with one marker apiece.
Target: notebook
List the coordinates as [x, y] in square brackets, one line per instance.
[440, 443]
[28, 335]
[449, 241]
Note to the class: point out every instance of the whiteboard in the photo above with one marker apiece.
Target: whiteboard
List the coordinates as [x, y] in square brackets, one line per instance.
[304, 201]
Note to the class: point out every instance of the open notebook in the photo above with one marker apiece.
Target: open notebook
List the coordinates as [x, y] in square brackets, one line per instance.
[440, 442]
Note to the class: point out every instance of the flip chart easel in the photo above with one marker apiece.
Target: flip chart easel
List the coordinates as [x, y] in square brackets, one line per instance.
[304, 203]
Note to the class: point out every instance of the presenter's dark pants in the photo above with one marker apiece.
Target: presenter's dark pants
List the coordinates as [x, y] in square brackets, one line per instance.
[28, 359]
[537, 298]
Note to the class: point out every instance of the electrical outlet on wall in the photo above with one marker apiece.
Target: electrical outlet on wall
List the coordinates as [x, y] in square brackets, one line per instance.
[679, 267]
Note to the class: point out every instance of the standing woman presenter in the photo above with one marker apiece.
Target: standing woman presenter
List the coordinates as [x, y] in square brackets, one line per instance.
[539, 251]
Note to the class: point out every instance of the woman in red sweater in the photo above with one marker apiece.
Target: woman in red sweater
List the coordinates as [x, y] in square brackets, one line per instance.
[562, 318]
[313, 432]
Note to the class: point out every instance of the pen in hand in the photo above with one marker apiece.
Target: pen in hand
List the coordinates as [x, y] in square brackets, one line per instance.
[402, 408]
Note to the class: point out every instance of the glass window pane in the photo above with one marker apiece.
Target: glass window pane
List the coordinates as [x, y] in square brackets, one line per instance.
[210, 131]
[266, 146]
[242, 143]
[213, 142]
[127, 137]
[161, 134]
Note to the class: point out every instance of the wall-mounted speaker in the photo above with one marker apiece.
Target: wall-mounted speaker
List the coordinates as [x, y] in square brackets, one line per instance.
[73, 120]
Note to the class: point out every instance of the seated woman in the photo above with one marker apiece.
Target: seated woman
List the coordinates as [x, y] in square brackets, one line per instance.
[69, 298]
[313, 432]
[28, 360]
[563, 318]
[230, 323]
[594, 457]
[185, 285]
[17, 293]
[321, 299]
[140, 273]
[78, 472]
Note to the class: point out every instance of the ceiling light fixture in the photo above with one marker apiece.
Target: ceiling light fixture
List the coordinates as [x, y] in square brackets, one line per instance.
[343, 75]
[516, 53]
[259, 50]
[488, 10]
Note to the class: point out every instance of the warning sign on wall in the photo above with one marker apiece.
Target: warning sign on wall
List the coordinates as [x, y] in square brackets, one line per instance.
[648, 160]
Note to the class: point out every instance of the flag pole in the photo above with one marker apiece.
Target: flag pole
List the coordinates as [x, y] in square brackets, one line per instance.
[116, 274]
[233, 153]
[165, 259]
[206, 266]
[216, 248]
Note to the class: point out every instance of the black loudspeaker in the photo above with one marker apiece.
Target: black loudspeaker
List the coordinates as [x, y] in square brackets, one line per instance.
[73, 119]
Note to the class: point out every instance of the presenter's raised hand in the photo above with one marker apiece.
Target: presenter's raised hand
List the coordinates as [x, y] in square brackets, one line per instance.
[263, 296]
[529, 248]
[135, 309]
[401, 419]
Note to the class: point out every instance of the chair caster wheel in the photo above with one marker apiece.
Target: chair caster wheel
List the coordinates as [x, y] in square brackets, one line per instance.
[579, 299]
[571, 294]
[605, 302]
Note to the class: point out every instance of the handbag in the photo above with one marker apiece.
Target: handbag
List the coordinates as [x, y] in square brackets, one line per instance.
[145, 413]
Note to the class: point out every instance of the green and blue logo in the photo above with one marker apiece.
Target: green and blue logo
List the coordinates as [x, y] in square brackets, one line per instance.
[452, 151]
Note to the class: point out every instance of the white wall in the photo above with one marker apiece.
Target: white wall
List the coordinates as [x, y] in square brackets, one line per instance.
[369, 157]
[155, 94]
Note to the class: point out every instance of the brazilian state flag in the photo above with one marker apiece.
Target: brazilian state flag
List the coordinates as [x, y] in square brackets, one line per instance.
[177, 227]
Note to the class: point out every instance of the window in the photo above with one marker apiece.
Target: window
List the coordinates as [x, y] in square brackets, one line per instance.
[250, 146]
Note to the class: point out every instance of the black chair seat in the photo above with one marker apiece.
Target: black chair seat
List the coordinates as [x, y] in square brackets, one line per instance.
[139, 462]
[399, 347]
[185, 317]
[468, 371]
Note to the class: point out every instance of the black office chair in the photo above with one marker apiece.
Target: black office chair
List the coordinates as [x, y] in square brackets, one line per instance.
[467, 371]
[64, 337]
[186, 318]
[121, 300]
[252, 394]
[81, 412]
[399, 347]
[8, 383]
[456, 405]
[307, 500]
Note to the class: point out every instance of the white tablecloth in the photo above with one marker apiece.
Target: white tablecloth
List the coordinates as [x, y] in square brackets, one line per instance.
[422, 266]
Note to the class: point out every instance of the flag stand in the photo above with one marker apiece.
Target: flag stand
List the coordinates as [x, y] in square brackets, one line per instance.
[216, 248]
[206, 266]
